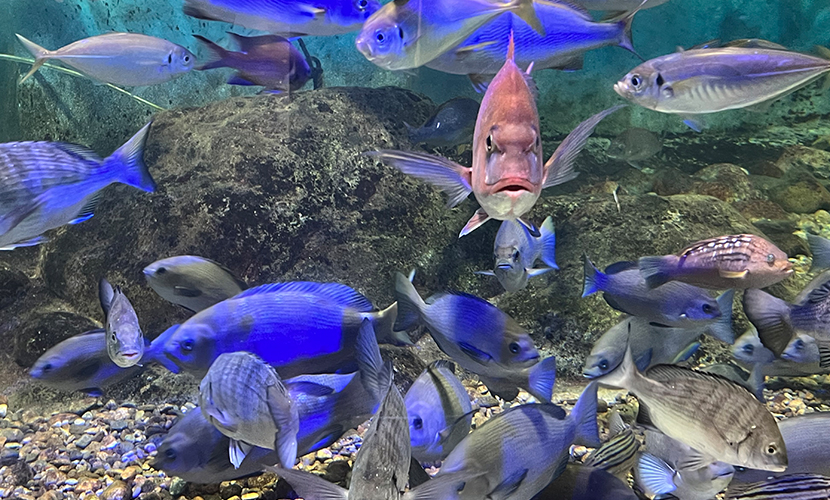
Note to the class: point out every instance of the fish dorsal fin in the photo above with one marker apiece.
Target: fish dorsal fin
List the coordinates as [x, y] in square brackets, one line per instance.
[511, 48]
[105, 294]
[442, 363]
[340, 294]
[819, 294]
[242, 284]
[619, 267]
[309, 387]
[664, 373]
[615, 423]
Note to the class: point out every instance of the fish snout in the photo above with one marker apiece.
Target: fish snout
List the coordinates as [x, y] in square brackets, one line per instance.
[622, 89]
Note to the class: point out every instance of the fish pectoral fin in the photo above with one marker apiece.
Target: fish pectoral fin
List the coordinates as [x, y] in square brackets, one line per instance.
[310, 486]
[446, 175]
[183, 291]
[695, 122]
[532, 273]
[480, 82]
[285, 416]
[485, 273]
[509, 485]
[733, 274]
[478, 218]
[88, 209]
[686, 353]
[37, 240]
[474, 47]
[656, 475]
[644, 360]
[311, 11]
[237, 451]
[474, 352]
[18, 215]
[693, 460]
[500, 388]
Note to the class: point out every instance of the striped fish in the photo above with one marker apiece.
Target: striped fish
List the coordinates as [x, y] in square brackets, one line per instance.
[792, 487]
[618, 454]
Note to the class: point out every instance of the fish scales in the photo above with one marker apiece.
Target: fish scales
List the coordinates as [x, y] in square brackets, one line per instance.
[735, 250]
[792, 487]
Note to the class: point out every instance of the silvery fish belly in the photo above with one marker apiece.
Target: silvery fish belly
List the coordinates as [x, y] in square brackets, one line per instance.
[709, 80]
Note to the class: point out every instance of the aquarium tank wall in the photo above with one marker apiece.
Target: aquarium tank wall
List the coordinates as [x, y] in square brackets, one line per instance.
[421, 249]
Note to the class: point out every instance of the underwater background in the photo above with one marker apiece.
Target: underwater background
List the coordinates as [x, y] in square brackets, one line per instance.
[277, 188]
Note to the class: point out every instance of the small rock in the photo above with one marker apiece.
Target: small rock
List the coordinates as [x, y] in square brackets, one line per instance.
[118, 425]
[83, 441]
[253, 495]
[324, 454]
[118, 490]
[129, 473]
[12, 434]
[178, 486]
[229, 489]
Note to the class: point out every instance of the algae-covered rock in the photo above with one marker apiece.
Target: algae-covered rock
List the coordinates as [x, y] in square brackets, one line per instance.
[799, 192]
[42, 330]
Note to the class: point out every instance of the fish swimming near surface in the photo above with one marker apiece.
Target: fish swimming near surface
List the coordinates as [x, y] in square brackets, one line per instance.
[270, 61]
[192, 282]
[687, 405]
[579, 482]
[695, 82]
[516, 251]
[128, 59]
[652, 344]
[451, 124]
[634, 146]
[619, 453]
[298, 327]
[507, 175]
[670, 467]
[407, 34]
[246, 400]
[81, 363]
[808, 448]
[439, 410]
[569, 32]
[125, 342]
[49, 184]
[736, 261]
[480, 338]
[618, 5]
[287, 17]
[789, 487]
[518, 452]
[671, 304]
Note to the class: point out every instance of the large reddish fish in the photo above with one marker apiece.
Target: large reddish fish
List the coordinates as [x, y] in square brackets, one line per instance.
[507, 175]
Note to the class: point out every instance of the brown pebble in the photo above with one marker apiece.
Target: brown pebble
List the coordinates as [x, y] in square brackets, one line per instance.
[51, 495]
[129, 473]
[118, 490]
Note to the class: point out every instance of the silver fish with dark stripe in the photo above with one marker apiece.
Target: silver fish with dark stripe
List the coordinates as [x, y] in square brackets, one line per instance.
[792, 487]
[735, 261]
[618, 454]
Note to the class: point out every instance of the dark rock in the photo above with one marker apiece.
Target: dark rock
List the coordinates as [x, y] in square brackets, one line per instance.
[119, 425]
[20, 473]
[42, 330]
[229, 489]
[801, 157]
[13, 284]
[799, 192]
[12, 434]
[83, 441]
[336, 471]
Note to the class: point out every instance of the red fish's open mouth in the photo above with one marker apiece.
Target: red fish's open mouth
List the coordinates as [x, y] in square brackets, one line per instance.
[512, 185]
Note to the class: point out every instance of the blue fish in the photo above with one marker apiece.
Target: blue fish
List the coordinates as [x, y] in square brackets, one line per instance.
[480, 338]
[516, 251]
[580, 482]
[672, 304]
[297, 327]
[570, 31]
[49, 184]
[452, 123]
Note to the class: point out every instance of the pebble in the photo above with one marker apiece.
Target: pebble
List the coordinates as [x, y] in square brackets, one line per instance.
[83, 441]
[177, 486]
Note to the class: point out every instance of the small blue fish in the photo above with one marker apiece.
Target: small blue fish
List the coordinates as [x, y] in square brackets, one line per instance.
[523, 449]
[480, 338]
[516, 252]
[672, 304]
[452, 123]
[569, 32]
[80, 363]
[297, 327]
[49, 184]
[801, 356]
[192, 282]
[439, 412]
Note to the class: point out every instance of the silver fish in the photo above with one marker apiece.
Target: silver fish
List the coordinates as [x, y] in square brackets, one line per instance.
[128, 59]
[820, 249]
[80, 363]
[669, 467]
[688, 406]
[479, 337]
[439, 412]
[579, 482]
[523, 449]
[634, 146]
[516, 251]
[790, 487]
[618, 5]
[808, 448]
[49, 184]
[619, 453]
[246, 400]
[451, 124]
[125, 342]
[699, 81]
[192, 282]
[287, 17]
[652, 344]
[801, 356]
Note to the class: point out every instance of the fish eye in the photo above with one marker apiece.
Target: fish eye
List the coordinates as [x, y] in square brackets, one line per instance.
[362, 4]
[187, 345]
[161, 270]
[772, 449]
[707, 308]
[636, 81]
[489, 143]
[515, 255]
[112, 337]
[514, 347]
[417, 423]
[770, 259]
[187, 59]
[603, 365]
[170, 453]
[47, 367]
[749, 348]
[799, 344]
[380, 36]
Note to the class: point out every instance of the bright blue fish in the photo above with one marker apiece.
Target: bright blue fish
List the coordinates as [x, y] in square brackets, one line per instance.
[44, 185]
[569, 32]
[297, 327]
[516, 252]
[672, 304]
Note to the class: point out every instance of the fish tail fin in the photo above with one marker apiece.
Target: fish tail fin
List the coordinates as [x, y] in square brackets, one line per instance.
[309, 485]
[593, 277]
[824, 52]
[624, 21]
[385, 322]
[584, 416]
[820, 248]
[369, 362]
[37, 51]
[218, 54]
[155, 352]
[656, 270]
[410, 304]
[624, 375]
[128, 160]
[771, 316]
[721, 329]
[548, 240]
[541, 379]
[823, 353]
[526, 10]
[755, 382]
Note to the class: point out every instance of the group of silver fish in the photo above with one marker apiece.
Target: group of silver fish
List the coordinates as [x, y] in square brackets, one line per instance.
[287, 368]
